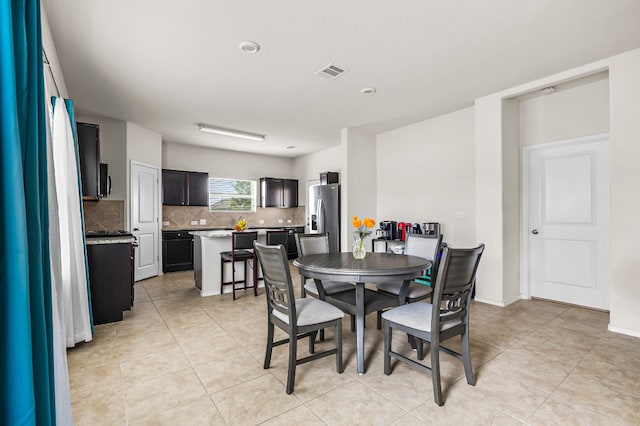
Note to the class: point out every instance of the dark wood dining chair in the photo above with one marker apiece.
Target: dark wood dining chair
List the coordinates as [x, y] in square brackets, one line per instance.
[308, 244]
[299, 318]
[446, 317]
[424, 246]
[241, 251]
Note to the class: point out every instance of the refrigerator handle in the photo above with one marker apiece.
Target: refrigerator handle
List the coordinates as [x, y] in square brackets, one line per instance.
[320, 213]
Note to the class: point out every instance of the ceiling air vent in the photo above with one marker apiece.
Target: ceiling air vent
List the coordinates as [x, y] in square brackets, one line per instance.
[330, 72]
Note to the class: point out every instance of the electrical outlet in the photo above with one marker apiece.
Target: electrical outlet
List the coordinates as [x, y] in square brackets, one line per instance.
[194, 222]
[261, 222]
[203, 221]
[280, 221]
[289, 220]
[165, 223]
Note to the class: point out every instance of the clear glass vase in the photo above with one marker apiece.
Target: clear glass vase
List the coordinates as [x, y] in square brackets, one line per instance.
[358, 250]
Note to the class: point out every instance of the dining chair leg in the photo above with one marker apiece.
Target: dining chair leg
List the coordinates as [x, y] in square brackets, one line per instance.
[255, 276]
[353, 323]
[435, 373]
[312, 341]
[419, 348]
[387, 347]
[466, 359]
[293, 353]
[379, 320]
[322, 335]
[267, 355]
[338, 339]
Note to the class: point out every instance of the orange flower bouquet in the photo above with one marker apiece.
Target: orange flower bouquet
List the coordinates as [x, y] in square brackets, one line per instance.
[363, 229]
[241, 225]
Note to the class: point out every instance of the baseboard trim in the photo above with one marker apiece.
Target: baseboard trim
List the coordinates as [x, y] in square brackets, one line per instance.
[490, 302]
[502, 304]
[626, 331]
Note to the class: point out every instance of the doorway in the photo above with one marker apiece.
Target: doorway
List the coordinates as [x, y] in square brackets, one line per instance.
[144, 219]
[566, 221]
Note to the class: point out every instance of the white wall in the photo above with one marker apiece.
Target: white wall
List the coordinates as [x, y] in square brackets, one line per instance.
[308, 167]
[425, 173]
[144, 146]
[511, 200]
[624, 73]
[225, 164]
[573, 112]
[113, 151]
[55, 71]
[359, 193]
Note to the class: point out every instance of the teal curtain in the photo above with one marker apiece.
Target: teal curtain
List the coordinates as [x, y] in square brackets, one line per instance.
[26, 339]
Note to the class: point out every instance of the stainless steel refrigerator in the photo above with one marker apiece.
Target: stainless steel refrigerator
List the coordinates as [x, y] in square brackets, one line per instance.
[324, 213]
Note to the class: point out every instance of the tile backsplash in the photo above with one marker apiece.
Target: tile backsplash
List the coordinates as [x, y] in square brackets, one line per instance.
[108, 215]
[180, 217]
[103, 215]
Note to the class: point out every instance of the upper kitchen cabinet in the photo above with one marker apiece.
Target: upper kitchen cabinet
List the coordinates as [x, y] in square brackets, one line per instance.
[182, 188]
[275, 192]
[89, 150]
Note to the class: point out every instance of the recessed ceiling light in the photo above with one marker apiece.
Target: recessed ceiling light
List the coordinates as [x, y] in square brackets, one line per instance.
[368, 91]
[249, 46]
[290, 146]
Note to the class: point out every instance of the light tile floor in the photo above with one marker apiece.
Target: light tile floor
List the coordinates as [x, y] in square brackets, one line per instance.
[181, 359]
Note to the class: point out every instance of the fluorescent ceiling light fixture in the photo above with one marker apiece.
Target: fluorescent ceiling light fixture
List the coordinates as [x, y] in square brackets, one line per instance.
[231, 132]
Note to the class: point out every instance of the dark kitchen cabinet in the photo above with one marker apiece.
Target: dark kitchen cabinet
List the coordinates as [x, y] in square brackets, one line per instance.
[182, 188]
[89, 153]
[177, 251]
[110, 280]
[276, 192]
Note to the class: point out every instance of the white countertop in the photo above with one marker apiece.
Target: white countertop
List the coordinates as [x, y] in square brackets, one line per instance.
[225, 233]
[109, 240]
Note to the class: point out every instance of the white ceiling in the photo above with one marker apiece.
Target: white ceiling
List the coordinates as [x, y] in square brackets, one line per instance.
[168, 65]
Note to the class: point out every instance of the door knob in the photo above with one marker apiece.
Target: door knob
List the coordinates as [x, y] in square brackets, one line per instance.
[137, 229]
[534, 232]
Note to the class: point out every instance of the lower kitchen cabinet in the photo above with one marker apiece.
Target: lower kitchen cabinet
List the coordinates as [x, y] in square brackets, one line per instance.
[110, 280]
[177, 251]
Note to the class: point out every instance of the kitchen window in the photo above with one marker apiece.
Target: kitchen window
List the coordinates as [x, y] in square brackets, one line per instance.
[232, 195]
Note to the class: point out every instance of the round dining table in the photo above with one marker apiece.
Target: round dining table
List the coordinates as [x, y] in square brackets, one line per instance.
[374, 268]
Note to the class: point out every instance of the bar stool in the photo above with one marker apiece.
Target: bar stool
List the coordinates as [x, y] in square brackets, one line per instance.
[275, 237]
[241, 251]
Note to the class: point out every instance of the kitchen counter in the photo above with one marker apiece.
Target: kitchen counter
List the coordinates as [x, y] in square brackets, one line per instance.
[223, 228]
[226, 233]
[109, 240]
[207, 246]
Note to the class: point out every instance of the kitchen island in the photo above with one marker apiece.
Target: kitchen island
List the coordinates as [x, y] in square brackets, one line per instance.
[207, 246]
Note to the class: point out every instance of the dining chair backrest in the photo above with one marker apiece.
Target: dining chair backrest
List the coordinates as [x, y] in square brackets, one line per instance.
[243, 240]
[277, 279]
[276, 237]
[454, 284]
[308, 244]
[424, 246]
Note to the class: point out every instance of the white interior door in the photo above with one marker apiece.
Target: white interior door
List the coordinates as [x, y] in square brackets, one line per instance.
[144, 219]
[569, 222]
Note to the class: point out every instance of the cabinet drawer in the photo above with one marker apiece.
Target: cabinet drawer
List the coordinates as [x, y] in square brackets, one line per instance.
[176, 235]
